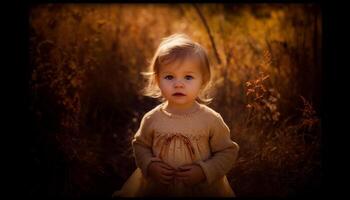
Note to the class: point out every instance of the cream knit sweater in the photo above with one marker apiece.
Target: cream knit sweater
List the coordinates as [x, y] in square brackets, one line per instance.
[200, 137]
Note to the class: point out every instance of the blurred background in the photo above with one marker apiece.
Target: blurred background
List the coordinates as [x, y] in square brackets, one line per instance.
[85, 106]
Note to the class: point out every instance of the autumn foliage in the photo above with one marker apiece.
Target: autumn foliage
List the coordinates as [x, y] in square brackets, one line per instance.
[86, 61]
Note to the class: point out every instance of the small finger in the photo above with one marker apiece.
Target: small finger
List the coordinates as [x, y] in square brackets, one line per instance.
[181, 174]
[166, 166]
[185, 167]
[167, 172]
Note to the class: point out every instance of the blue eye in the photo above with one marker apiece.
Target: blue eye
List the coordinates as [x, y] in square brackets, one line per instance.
[168, 77]
[188, 77]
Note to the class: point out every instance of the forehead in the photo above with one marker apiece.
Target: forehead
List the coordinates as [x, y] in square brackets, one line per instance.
[189, 64]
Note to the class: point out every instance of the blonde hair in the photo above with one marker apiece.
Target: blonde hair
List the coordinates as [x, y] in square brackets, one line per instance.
[172, 48]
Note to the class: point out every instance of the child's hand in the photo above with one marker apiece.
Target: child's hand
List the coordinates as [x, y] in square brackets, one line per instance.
[190, 174]
[161, 172]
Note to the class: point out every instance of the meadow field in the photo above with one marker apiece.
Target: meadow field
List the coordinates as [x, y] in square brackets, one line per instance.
[85, 82]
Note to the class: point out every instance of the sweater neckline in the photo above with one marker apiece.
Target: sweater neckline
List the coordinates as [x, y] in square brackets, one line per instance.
[185, 115]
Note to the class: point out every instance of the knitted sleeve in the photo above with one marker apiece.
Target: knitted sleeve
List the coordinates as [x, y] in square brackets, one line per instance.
[223, 151]
[142, 145]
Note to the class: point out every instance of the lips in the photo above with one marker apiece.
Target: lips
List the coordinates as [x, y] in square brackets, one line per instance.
[179, 94]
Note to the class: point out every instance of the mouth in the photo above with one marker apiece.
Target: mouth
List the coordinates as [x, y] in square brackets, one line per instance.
[178, 94]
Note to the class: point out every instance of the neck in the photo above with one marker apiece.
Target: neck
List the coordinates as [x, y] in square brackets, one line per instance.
[180, 109]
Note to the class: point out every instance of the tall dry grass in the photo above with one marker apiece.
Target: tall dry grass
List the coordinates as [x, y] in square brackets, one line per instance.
[86, 61]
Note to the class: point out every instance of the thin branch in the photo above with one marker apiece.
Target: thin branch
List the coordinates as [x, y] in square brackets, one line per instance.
[209, 33]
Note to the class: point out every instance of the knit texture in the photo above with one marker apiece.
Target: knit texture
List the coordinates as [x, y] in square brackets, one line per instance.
[200, 137]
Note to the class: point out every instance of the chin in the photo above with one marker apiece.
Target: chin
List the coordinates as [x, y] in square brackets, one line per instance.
[181, 101]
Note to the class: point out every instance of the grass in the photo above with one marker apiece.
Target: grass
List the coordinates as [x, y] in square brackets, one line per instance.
[85, 80]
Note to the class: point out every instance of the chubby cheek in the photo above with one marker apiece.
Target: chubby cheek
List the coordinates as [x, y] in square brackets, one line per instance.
[165, 88]
[194, 89]
[195, 85]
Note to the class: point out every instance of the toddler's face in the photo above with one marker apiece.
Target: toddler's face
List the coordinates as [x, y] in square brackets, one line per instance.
[180, 82]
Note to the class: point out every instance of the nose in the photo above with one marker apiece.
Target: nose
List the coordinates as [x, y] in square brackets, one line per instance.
[178, 84]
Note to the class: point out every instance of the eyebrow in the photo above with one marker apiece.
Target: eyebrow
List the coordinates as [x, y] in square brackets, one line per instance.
[186, 72]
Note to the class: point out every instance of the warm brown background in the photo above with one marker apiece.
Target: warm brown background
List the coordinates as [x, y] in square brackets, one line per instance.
[86, 61]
